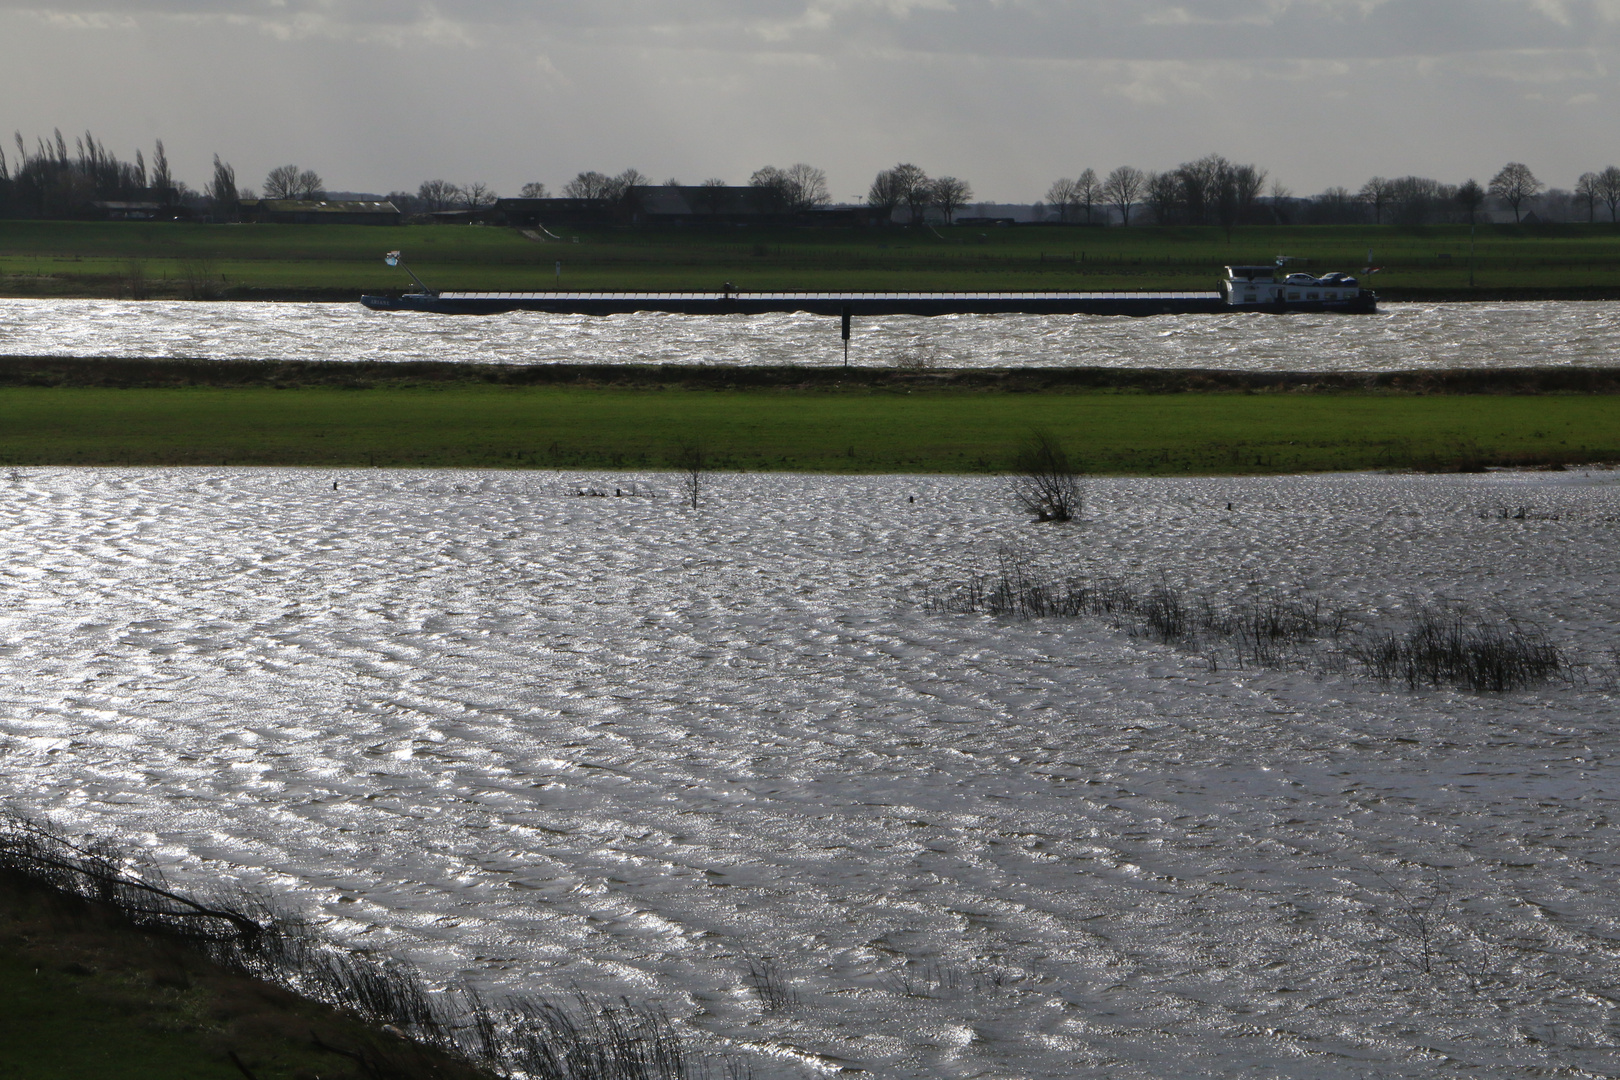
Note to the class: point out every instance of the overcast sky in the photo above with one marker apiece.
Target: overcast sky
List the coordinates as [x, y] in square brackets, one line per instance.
[1007, 94]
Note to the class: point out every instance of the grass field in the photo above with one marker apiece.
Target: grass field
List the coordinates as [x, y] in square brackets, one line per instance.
[922, 431]
[337, 261]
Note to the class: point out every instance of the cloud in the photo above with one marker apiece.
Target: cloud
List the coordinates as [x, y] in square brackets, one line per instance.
[1100, 29]
[1009, 93]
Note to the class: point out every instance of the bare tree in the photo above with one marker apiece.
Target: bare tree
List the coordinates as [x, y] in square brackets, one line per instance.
[1470, 196]
[477, 196]
[1279, 196]
[1335, 206]
[628, 179]
[288, 182]
[1248, 181]
[1608, 189]
[1586, 190]
[885, 193]
[798, 187]
[1163, 195]
[950, 195]
[691, 460]
[770, 186]
[808, 186]
[282, 182]
[436, 195]
[1087, 191]
[1063, 195]
[1043, 482]
[1123, 189]
[534, 189]
[1200, 186]
[1415, 198]
[595, 186]
[1377, 193]
[1514, 184]
[914, 189]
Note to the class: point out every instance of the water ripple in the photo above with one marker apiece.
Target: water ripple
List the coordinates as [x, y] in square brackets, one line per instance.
[545, 742]
[1402, 336]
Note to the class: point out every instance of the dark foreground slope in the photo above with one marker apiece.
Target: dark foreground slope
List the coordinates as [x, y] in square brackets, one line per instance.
[85, 995]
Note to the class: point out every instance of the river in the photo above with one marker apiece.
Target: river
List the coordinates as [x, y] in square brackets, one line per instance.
[1402, 336]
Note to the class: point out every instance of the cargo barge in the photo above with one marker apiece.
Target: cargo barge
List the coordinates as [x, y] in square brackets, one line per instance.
[1245, 288]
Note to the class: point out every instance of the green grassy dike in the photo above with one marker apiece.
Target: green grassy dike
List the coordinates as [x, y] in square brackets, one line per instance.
[156, 260]
[875, 422]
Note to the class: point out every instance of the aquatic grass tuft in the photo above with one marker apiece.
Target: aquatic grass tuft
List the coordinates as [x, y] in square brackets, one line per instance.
[1449, 647]
[766, 979]
[935, 978]
[1267, 627]
[595, 1041]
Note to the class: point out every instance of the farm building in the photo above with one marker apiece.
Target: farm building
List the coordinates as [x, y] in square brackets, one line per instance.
[319, 212]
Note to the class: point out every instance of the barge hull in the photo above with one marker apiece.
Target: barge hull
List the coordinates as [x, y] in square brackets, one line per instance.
[854, 304]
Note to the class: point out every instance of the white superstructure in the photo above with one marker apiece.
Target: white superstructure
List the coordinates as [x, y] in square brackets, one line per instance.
[1260, 286]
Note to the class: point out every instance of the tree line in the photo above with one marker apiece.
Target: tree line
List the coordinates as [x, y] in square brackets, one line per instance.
[1215, 191]
[50, 179]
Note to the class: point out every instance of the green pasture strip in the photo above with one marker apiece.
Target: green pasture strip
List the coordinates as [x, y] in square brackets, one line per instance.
[143, 259]
[830, 431]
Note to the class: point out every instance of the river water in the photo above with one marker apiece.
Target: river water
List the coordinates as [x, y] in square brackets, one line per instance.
[1402, 336]
[543, 741]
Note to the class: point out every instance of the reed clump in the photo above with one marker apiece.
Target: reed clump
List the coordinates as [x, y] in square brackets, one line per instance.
[592, 1041]
[770, 985]
[1268, 627]
[1444, 647]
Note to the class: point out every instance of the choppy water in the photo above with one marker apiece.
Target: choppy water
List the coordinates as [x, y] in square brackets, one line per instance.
[546, 741]
[1403, 336]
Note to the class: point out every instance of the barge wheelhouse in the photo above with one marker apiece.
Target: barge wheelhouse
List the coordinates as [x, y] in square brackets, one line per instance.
[1258, 288]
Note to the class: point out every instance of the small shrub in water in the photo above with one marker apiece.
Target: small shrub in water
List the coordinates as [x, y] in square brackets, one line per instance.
[1043, 482]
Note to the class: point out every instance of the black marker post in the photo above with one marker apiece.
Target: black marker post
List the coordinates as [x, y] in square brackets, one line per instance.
[846, 336]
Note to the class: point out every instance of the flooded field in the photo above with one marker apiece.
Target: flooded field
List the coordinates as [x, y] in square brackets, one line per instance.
[541, 742]
[1402, 336]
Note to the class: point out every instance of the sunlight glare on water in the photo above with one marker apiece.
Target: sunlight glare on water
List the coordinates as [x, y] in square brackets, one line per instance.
[1401, 336]
[543, 742]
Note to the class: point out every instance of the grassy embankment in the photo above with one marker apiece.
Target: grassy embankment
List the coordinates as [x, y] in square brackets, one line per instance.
[337, 262]
[424, 415]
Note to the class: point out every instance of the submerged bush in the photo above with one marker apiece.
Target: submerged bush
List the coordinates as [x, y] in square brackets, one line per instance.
[1042, 480]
